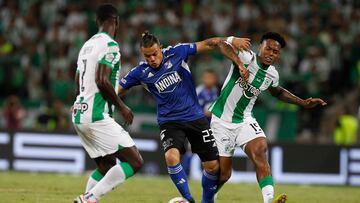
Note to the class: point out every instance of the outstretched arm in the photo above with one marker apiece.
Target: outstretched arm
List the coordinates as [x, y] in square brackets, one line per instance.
[286, 96]
[225, 48]
[108, 92]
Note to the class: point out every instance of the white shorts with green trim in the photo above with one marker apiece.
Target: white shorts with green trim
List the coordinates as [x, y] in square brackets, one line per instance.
[228, 136]
[103, 137]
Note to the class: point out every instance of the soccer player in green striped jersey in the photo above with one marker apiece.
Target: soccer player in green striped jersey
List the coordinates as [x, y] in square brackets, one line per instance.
[106, 142]
[233, 123]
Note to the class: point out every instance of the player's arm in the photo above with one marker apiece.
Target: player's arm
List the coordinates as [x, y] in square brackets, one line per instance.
[286, 96]
[102, 81]
[225, 48]
[77, 88]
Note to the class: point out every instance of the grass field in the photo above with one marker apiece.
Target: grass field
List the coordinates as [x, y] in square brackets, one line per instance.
[18, 187]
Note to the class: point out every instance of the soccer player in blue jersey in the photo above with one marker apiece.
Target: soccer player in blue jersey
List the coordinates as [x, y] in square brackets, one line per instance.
[166, 75]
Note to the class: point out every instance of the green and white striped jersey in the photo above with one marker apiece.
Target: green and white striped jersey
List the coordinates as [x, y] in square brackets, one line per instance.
[89, 105]
[237, 96]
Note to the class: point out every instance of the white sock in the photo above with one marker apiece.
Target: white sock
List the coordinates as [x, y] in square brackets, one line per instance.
[268, 193]
[90, 184]
[94, 178]
[114, 177]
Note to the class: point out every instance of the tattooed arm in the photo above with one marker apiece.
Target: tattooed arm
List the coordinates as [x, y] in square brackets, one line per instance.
[286, 96]
[225, 48]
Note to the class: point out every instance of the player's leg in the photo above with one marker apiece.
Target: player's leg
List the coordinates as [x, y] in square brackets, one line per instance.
[102, 140]
[225, 170]
[256, 150]
[203, 143]
[93, 179]
[116, 173]
[173, 140]
[84, 131]
[225, 143]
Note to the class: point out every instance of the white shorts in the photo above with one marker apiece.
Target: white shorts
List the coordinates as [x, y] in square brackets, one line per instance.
[103, 137]
[228, 136]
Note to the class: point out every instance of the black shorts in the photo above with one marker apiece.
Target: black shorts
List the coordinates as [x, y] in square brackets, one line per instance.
[198, 133]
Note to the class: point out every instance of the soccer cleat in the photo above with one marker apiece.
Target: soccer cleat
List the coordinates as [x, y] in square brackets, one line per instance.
[280, 199]
[81, 199]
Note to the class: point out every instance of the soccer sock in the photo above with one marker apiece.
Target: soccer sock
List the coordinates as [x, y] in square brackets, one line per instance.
[209, 184]
[94, 178]
[114, 177]
[178, 176]
[267, 189]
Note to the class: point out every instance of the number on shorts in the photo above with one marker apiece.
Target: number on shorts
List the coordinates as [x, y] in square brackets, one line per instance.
[256, 128]
[206, 135]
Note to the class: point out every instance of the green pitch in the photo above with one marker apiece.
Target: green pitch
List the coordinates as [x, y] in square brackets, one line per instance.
[55, 188]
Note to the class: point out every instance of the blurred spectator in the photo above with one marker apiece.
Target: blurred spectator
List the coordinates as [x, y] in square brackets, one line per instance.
[208, 91]
[54, 118]
[14, 113]
[346, 130]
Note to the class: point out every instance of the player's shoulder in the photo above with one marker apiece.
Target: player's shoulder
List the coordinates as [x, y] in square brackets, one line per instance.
[140, 69]
[273, 72]
[178, 48]
[103, 39]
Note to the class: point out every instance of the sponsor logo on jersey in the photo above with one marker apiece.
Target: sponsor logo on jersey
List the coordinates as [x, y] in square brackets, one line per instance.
[82, 107]
[168, 82]
[249, 91]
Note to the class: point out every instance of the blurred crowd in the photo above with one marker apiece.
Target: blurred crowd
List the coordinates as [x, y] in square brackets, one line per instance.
[39, 42]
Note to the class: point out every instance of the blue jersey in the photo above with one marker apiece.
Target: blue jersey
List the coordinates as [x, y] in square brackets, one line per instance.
[171, 85]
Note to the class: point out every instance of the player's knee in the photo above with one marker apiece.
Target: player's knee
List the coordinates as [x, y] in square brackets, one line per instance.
[224, 176]
[137, 164]
[211, 166]
[259, 153]
[104, 168]
[172, 157]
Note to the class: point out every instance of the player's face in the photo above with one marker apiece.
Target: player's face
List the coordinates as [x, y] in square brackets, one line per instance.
[153, 55]
[269, 51]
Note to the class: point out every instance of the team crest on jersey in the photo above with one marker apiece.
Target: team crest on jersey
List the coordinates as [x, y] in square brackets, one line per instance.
[168, 64]
[249, 91]
[168, 82]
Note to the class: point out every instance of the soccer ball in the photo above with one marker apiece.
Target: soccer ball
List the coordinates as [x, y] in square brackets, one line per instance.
[178, 200]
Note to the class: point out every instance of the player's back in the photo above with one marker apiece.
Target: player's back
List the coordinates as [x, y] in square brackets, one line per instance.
[90, 106]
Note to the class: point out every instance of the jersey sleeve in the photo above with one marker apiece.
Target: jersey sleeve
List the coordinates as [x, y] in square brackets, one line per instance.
[275, 82]
[186, 49]
[130, 79]
[246, 56]
[110, 54]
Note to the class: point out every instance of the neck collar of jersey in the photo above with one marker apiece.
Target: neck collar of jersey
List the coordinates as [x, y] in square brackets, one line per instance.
[102, 32]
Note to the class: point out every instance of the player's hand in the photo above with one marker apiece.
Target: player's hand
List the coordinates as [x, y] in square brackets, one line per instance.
[241, 43]
[244, 72]
[127, 115]
[312, 102]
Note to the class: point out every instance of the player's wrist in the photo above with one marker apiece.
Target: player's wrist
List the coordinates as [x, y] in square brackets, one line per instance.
[230, 39]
